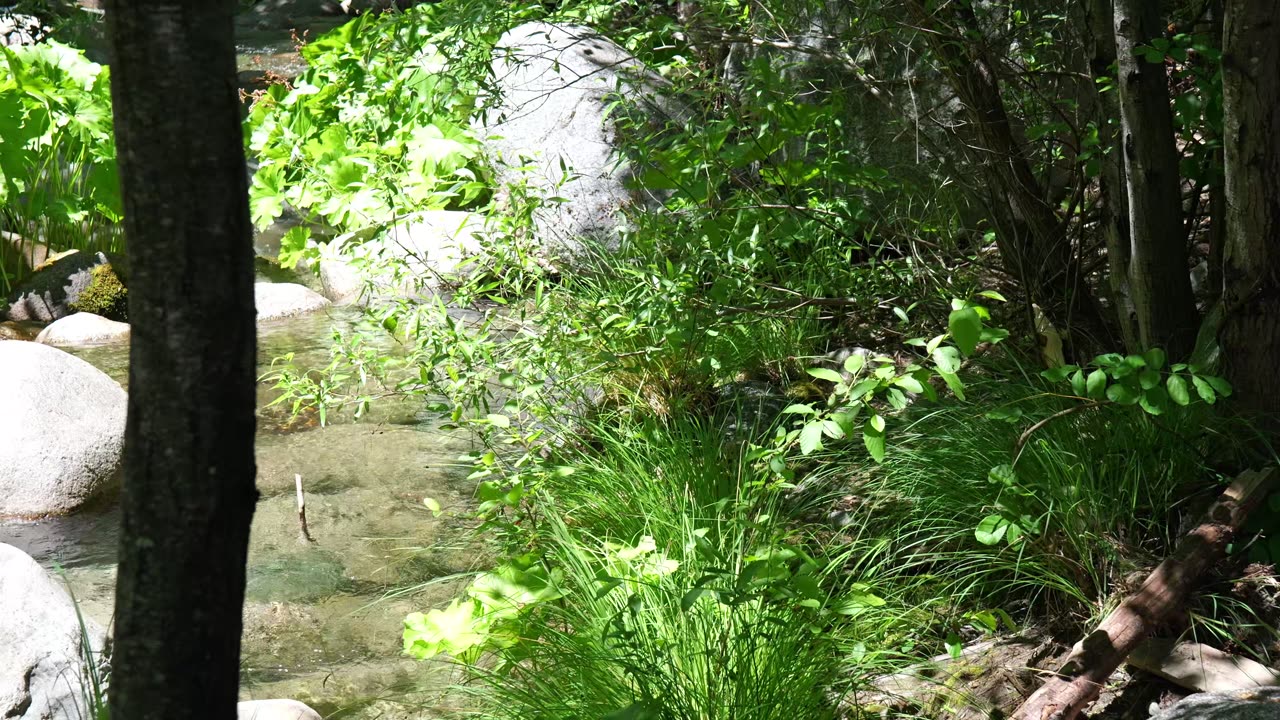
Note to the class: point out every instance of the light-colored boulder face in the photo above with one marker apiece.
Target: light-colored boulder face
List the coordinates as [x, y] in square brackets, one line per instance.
[19, 29]
[282, 300]
[61, 430]
[83, 329]
[555, 90]
[426, 251]
[42, 646]
[1250, 704]
[275, 710]
[73, 282]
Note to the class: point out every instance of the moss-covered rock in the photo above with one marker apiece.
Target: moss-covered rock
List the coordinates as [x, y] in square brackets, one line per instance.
[105, 295]
[55, 290]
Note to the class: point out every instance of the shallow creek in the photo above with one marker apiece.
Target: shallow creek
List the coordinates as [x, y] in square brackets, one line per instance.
[322, 620]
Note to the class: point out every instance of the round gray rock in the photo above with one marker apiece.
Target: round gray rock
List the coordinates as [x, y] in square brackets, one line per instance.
[61, 430]
[282, 300]
[1251, 704]
[42, 646]
[83, 329]
[554, 107]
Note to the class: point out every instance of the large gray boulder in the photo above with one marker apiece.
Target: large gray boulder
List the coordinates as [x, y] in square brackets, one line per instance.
[70, 283]
[554, 104]
[424, 253]
[83, 329]
[282, 300]
[1251, 704]
[61, 430]
[42, 644]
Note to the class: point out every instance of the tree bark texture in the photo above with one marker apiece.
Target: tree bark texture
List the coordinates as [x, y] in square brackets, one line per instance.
[1157, 264]
[1250, 335]
[1099, 36]
[1093, 659]
[189, 490]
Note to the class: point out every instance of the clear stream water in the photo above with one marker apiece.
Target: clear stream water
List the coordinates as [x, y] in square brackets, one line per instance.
[319, 625]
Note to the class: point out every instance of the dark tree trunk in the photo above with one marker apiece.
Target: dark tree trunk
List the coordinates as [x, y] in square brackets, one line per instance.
[1157, 261]
[189, 469]
[1250, 334]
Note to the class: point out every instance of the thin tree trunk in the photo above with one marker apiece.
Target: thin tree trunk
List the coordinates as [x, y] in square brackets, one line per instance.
[189, 468]
[1157, 271]
[1114, 222]
[1250, 334]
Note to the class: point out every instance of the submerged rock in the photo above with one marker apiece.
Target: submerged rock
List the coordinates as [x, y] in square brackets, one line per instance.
[43, 643]
[61, 430]
[556, 92]
[83, 328]
[73, 282]
[20, 329]
[282, 300]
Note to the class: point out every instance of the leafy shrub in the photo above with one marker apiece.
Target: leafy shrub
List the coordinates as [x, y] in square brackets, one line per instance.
[58, 177]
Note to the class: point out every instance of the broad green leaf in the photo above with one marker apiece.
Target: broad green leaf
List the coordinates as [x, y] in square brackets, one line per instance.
[1077, 383]
[497, 420]
[1155, 358]
[1178, 391]
[1003, 475]
[991, 529]
[1122, 395]
[1148, 379]
[799, 409]
[1221, 386]
[825, 374]
[873, 439]
[992, 295]
[1204, 389]
[947, 358]
[433, 505]
[1060, 373]
[1154, 400]
[966, 327]
[877, 422]
[910, 384]
[811, 438]
[953, 381]
[1096, 385]
[853, 364]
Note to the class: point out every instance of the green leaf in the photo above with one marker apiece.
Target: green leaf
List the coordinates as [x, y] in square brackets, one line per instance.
[854, 363]
[910, 384]
[1077, 383]
[873, 438]
[1096, 385]
[1178, 392]
[811, 438]
[433, 505]
[1122, 395]
[877, 422]
[953, 381]
[966, 327]
[496, 420]
[1154, 400]
[1003, 475]
[1060, 373]
[947, 358]
[1204, 389]
[1220, 385]
[825, 374]
[799, 409]
[1148, 379]
[992, 295]
[1155, 358]
[991, 529]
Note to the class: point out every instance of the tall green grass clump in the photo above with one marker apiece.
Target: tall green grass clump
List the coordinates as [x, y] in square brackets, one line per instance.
[662, 580]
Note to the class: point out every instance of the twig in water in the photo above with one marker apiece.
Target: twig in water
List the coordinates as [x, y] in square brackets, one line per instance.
[304, 535]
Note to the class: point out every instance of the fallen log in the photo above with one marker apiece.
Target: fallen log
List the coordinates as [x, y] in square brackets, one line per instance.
[1098, 654]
